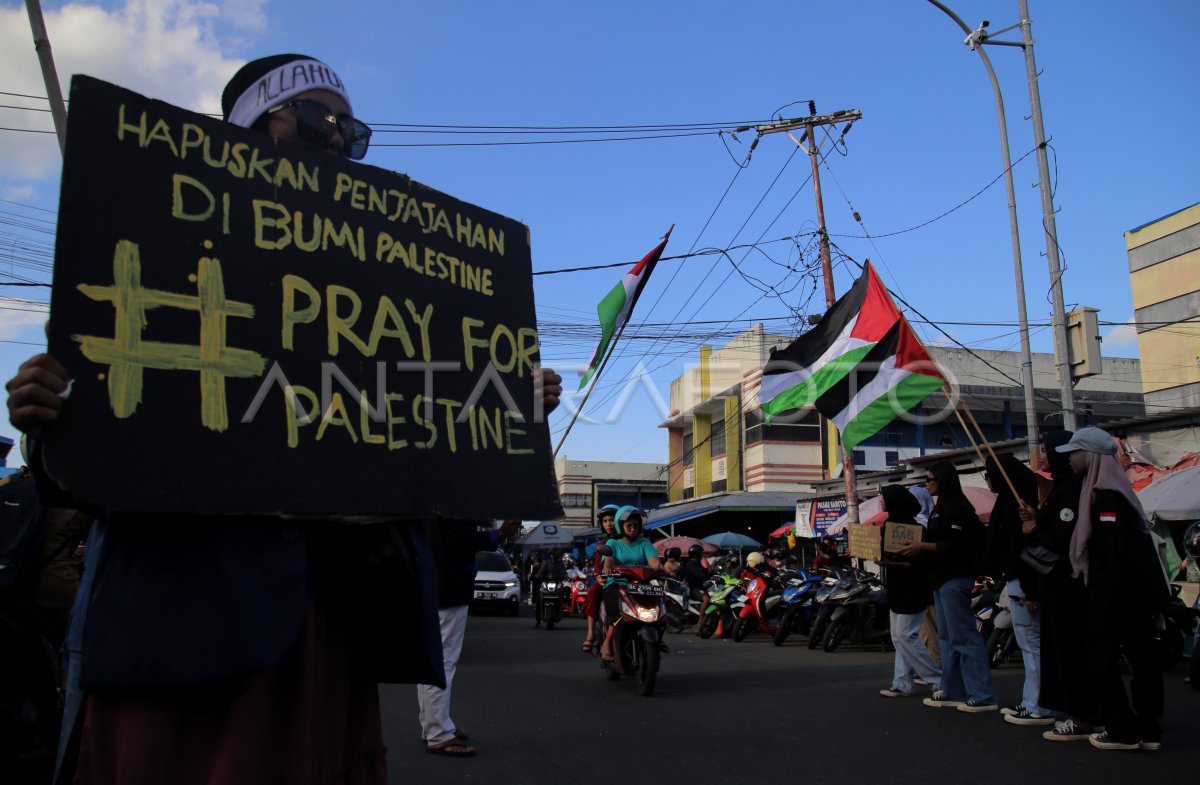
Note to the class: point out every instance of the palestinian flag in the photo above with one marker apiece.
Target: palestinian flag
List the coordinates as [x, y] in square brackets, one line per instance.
[803, 371]
[617, 305]
[893, 377]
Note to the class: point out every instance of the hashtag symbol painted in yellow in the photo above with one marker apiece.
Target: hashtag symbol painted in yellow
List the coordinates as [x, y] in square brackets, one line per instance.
[127, 355]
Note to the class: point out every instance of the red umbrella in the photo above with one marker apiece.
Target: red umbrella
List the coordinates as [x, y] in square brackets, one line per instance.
[782, 531]
[683, 543]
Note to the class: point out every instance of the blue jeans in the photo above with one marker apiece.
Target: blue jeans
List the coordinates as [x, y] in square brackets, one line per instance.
[966, 674]
[1027, 627]
[911, 654]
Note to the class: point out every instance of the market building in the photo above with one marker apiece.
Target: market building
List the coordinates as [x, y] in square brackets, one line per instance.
[586, 486]
[1164, 275]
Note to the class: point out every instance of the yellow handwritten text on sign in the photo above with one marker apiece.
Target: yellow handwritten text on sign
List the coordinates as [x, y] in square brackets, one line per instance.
[898, 536]
[418, 425]
[864, 541]
[127, 355]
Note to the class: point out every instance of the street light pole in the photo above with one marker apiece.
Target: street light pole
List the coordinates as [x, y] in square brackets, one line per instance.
[1031, 423]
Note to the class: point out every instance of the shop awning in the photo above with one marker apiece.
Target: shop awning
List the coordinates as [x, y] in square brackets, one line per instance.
[743, 501]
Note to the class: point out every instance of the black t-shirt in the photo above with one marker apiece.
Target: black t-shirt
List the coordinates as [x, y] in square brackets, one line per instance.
[956, 530]
[691, 571]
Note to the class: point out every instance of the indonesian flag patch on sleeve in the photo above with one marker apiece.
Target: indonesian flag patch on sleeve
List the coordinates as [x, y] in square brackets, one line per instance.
[1108, 517]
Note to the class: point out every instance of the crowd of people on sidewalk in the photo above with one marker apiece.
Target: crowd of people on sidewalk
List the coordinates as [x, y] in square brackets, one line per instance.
[1083, 578]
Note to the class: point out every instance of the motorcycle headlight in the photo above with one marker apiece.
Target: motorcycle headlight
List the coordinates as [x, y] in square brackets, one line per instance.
[552, 586]
[647, 614]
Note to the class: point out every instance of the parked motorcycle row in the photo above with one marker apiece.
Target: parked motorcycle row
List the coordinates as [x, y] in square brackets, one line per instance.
[842, 606]
[849, 606]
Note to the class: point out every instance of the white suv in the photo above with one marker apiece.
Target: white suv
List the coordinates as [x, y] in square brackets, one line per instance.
[496, 585]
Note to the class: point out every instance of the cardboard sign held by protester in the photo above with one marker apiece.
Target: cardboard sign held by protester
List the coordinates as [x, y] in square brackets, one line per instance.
[898, 536]
[253, 326]
[864, 541]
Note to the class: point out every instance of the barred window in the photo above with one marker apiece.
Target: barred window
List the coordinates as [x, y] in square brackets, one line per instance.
[717, 439]
[577, 500]
[796, 427]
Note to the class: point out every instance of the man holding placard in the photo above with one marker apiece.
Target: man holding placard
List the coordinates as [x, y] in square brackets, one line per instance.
[246, 647]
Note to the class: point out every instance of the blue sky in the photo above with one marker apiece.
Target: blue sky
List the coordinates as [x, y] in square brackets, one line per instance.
[1114, 89]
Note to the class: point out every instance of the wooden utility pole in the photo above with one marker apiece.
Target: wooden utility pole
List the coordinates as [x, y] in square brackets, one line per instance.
[810, 124]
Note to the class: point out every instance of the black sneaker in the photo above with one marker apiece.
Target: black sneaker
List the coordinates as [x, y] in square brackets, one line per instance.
[891, 692]
[978, 707]
[1020, 707]
[1027, 717]
[1103, 741]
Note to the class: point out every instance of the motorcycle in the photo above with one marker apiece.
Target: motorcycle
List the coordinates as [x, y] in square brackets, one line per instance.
[638, 640]
[579, 590]
[1001, 640]
[725, 593]
[551, 602]
[682, 610]
[1194, 666]
[1178, 622]
[797, 602]
[985, 596]
[860, 612]
[762, 609]
[822, 608]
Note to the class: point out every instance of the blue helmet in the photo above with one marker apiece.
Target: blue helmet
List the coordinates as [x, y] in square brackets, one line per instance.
[627, 512]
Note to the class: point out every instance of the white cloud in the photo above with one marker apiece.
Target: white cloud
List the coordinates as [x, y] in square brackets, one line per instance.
[174, 50]
[20, 319]
[1121, 336]
[18, 193]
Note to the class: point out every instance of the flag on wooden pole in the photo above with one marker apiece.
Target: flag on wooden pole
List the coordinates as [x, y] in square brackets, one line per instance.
[614, 310]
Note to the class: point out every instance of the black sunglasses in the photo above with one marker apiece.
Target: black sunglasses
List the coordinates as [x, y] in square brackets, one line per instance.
[315, 123]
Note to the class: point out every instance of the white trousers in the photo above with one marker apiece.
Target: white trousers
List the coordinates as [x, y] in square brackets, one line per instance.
[434, 704]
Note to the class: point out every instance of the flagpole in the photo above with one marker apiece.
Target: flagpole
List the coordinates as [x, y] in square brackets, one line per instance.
[588, 394]
[612, 346]
[41, 44]
[1007, 480]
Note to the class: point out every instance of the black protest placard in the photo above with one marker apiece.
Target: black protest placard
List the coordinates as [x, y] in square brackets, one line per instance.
[253, 326]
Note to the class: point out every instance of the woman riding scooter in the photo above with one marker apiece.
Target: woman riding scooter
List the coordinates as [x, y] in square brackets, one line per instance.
[631, 550]
[591, 606]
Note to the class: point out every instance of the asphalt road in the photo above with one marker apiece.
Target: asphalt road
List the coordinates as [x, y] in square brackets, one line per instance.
[541, 713]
